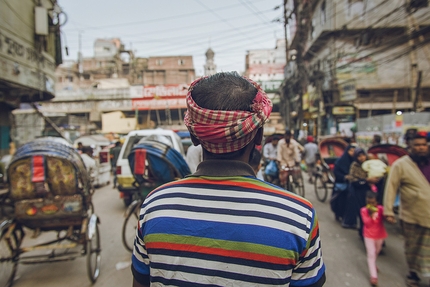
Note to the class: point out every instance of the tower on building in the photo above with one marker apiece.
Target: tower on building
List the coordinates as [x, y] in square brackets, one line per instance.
[210, 67]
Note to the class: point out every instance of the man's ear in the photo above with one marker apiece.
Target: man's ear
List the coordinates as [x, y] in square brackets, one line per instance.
[259, 136]
[195, 141]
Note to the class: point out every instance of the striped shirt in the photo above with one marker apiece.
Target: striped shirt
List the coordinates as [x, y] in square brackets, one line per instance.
[224, 227]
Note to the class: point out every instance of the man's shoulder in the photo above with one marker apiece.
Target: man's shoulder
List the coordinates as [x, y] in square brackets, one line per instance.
[404, 160]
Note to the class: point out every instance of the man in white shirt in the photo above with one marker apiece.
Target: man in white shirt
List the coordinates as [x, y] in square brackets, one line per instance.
[310, 152]
[269, 149]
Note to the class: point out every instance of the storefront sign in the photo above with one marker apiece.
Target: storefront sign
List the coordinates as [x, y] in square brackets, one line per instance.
[270, 86]
[160, 91]
[313, 99]
[347, 110]
[305, 104]
[347, 91]
[158, 104]
[20, 63]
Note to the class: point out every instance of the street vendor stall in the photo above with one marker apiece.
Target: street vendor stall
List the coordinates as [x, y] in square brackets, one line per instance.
[100, 146]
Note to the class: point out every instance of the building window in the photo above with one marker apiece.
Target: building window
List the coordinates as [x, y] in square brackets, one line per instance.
[87, 76]
[158, 62]
[181, 62]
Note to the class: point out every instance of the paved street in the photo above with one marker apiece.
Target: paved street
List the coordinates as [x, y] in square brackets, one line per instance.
[344, 253]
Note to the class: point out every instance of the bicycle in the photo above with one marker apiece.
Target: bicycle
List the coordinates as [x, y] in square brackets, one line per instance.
[131, 219]
[291, 179]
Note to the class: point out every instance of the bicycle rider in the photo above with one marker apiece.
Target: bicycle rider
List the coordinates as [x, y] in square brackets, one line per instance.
[288, 155]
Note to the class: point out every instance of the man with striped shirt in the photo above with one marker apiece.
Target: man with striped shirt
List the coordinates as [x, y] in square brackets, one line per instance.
[222, 226]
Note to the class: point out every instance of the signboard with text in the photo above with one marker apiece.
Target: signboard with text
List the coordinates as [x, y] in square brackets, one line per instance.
[160, 91]
[347, 91]
[22, 64]
[158, 97]
[158, 104]
[344, 110]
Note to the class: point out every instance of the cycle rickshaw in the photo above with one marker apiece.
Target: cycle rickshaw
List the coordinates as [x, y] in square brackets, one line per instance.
[330, 149]
[152, 164]
[49, 193]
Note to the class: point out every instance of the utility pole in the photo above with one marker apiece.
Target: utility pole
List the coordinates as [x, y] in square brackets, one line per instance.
[80, 67]
[287, 60]
[413, 61]
[318, 87]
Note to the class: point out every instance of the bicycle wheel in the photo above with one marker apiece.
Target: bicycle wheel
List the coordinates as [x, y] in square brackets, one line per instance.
[290, 185]
[130, 224]
[320, 188]
[8, 264]
[300, 186]
[93, 250]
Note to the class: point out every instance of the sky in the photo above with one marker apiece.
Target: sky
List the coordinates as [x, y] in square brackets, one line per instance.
[175, 27]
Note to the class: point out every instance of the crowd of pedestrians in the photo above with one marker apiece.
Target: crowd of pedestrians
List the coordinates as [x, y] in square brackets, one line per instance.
[364, 196]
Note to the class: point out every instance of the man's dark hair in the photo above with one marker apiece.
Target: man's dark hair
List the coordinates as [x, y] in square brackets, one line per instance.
[226, 91]
[87, 150]
[288, 132]
[410, 134]
[370, 194]
[117, 143]
[377, 139]
[255, 159]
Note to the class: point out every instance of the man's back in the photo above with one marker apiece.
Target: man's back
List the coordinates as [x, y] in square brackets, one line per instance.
[222, 230]
[311, 149]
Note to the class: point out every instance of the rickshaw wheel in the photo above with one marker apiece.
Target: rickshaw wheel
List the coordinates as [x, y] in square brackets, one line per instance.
[93, 255]
[130, 224]
[8, 264]
[320, 188]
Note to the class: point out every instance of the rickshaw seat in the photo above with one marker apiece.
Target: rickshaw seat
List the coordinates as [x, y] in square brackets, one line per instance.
[49, 186]
[57, 175]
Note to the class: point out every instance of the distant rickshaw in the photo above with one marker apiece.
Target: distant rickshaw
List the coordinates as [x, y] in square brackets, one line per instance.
[330, 149]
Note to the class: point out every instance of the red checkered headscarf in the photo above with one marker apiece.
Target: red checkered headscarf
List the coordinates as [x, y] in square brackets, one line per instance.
[222, 131]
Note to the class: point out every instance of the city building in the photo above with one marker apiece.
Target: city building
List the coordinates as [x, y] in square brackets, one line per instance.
[30, 50]
[143, 92]
[266, 67]
[355, 59]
